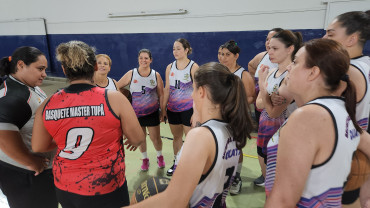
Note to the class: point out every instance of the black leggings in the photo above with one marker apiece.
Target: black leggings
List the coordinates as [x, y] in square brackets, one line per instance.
[24, 190]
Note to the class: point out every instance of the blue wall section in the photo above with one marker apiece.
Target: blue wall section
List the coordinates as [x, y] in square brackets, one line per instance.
[10, 43]
[123, 48]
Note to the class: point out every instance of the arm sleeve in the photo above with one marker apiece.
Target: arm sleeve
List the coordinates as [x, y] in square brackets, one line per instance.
[14, 112]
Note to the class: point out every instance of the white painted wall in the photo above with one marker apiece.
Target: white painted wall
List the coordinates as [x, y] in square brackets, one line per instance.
[83, 17]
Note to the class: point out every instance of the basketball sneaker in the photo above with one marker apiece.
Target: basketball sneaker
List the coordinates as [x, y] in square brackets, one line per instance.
[160, 161]
[171, 170]
[260, 181]
[236, 186]
[145, 165]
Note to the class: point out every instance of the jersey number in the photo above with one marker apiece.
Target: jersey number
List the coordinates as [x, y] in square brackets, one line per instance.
[177, 84]
[77, 142]
[142, 89]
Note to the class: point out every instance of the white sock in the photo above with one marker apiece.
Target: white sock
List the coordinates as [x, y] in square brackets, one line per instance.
[174, 158]
[145, 155]
[159, 153]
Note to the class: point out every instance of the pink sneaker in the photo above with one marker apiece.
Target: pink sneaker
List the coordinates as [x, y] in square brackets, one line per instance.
[160, 161]
[145, 165]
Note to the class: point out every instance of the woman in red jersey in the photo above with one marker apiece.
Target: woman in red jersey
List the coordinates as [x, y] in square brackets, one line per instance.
[86, 124]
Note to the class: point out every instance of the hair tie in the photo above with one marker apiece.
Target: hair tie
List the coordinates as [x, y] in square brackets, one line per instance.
[345, 78]
[236, 43]
[10, 58]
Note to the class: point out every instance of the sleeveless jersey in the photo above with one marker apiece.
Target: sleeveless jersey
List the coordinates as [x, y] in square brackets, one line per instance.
[265, 61]
[273, 83]
[324, 185]
[181, 87]
[18, 105]
[214, 186]
[90, 156]
[111, 85]
[145, 99]
[239, 72]
[363, 107]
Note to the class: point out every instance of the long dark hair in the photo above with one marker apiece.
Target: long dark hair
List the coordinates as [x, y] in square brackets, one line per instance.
[227, 90]
[333, 61]
[27, 54]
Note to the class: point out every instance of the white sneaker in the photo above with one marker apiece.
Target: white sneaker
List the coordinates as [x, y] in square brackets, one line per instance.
[236, 186]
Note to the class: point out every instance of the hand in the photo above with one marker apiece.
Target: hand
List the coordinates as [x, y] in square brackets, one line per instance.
[262, 75]
[38, 164]
[277, 99]
[130, 147]
[163, 117]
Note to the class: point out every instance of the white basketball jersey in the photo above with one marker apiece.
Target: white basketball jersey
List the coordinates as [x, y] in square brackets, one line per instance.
[145, 99]
[273, 82]
[265, 61]
[139, 82]
[214, 186]
[181, 88]
[363, 107]
[239, 72]
[324, 185]
[111, 85]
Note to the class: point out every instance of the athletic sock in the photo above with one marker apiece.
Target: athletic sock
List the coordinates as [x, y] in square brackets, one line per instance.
[159, 153]
[145, 155]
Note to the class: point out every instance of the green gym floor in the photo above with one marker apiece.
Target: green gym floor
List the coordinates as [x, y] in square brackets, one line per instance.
[251, 196]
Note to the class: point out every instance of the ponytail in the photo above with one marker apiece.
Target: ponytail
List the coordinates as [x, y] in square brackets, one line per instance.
[297, 44]
[227, 90]
[235, 111]
[5, 64]
[350, 101]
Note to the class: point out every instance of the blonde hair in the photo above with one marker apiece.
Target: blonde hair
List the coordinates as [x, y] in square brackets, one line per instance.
[78, 59]
[105, 56]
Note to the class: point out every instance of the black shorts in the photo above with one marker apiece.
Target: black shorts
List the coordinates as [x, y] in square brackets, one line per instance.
[150, 120]
[23, 189]
[180, 117]
[260, 153]
[350, 197]
[115, 199]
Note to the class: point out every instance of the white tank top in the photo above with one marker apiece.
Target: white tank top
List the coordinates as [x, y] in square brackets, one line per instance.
[181, 87]
[265, 61]
[239, 72]
[273, 82]
[324, 185]
[145, 99]
[213, 187]
[111, 85]
[363, 107]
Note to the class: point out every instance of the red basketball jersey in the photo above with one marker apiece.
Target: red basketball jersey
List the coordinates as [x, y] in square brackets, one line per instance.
[90, 155]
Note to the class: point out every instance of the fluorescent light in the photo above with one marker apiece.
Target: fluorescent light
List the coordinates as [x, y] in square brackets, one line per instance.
[148, 13]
